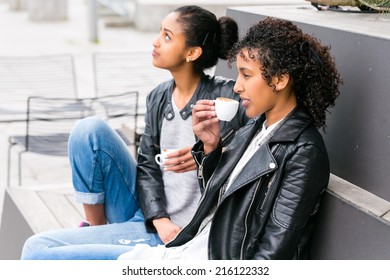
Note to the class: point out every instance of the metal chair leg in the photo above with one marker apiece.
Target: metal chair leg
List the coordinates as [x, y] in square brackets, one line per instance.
[20, 168]
[9, 164]
[12, 144]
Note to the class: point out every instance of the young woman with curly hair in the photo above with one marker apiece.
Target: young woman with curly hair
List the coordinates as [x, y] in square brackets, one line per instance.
[262, 192]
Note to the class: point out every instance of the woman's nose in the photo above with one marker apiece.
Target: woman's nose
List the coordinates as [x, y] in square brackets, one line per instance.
[156, 41]
[237, 88]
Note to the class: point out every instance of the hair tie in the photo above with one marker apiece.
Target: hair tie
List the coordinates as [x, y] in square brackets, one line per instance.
[306, 49]
[205, 38]
[207, 35]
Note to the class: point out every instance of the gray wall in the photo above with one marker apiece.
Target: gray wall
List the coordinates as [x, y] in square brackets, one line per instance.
[358, 132]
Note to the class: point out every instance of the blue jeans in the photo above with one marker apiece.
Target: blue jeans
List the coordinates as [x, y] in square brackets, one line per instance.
[103, 171]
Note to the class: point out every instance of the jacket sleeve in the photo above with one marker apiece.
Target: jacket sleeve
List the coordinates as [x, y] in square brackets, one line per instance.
[305, 178]
[206, 163]
[150, 186]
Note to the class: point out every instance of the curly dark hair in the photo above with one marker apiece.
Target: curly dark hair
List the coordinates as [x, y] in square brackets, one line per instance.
[202, 29]
[282, 48]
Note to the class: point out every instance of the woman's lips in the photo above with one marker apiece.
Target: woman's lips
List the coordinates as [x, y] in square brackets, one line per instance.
[245, 102]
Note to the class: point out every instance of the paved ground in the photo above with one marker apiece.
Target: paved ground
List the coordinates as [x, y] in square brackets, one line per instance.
[21, 36]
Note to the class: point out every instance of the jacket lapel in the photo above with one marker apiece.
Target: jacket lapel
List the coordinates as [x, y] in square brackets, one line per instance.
[261, 162]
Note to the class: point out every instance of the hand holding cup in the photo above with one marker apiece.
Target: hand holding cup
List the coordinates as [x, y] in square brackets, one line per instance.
[176, 160]
[162, 157]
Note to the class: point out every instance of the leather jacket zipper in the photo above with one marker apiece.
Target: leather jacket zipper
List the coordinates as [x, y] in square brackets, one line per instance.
[266, 192]
[227, 135]
[246, 220]
[200, 171]
[252, 202]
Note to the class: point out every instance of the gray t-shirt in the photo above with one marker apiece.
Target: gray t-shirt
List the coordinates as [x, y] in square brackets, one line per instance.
[181, 189]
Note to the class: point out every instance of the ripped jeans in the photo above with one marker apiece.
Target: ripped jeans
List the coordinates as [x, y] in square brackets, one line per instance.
[103, 171]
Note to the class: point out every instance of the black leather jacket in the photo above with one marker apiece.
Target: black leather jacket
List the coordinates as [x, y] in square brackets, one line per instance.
[269, 210]
[150, 186]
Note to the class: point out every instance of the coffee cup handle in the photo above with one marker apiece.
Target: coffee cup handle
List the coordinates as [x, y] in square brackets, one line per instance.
[159, 159]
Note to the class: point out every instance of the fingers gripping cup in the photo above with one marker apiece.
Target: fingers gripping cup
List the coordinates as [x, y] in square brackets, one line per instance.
[226, 108]
[160, 158]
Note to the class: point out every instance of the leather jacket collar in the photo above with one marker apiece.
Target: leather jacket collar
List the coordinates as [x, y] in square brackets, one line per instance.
[296, 122]
[169, 113]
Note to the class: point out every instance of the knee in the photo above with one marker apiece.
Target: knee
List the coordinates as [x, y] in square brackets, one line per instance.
[86, 130]
[87, 126]
[32, 245]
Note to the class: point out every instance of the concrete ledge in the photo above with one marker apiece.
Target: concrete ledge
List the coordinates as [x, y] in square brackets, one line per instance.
[363, 200]
[370, 24]
[387, 216]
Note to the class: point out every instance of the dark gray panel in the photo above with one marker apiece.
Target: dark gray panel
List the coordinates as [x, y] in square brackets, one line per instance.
[358, 132]
[345, 233]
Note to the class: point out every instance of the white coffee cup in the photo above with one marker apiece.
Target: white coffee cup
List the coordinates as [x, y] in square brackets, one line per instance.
[226, 108]
[160, 158]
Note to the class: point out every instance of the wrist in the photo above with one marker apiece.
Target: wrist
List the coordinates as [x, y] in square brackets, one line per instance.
[208, 148]
[159, 221]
